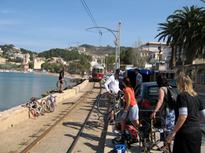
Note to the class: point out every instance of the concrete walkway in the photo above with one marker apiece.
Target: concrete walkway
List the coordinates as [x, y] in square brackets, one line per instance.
[16, 138]
[135, 147]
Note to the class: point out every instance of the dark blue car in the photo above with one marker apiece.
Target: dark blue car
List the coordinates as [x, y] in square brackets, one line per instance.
[148, 95]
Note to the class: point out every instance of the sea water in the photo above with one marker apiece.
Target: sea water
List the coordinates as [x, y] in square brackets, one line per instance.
[18, 88]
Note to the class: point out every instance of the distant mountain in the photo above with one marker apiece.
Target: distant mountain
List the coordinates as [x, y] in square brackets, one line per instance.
[59, 52]
[99, 50]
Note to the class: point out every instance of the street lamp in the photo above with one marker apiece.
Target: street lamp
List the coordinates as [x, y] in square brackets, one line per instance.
[183, 56]
[159, 54]
[116, 34]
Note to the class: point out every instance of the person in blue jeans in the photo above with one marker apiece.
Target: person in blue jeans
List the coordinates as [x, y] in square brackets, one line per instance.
[166, 113]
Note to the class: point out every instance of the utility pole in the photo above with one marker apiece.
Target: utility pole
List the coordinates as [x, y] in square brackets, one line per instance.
[116, 34]
[117, 53]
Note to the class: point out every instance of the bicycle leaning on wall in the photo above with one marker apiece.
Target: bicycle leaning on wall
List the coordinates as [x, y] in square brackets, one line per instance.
[35, 107]
[50, 103]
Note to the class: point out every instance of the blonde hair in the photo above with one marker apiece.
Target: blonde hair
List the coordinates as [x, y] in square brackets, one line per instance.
[184, 83]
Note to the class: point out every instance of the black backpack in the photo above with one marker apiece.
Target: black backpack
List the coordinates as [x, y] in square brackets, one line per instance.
[170, 100]
[171, 97]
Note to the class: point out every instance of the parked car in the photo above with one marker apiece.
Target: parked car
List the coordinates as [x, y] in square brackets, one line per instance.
[148, 95]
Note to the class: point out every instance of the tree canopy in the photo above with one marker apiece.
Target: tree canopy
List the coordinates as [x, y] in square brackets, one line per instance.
[184, 31]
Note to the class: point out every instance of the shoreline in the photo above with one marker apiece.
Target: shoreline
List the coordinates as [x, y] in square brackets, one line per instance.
[10, 117]
[74, 81]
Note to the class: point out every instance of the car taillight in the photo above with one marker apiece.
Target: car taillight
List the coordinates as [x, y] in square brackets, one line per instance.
[146, 104]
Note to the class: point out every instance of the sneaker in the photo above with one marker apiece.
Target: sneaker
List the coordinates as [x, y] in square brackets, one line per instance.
[118, 140]
[116, 131]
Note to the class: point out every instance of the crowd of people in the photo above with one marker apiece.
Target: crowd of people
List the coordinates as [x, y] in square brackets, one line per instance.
[183, 119]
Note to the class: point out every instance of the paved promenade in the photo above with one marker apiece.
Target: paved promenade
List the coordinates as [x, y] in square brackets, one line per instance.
[15, 138]
[135, 148]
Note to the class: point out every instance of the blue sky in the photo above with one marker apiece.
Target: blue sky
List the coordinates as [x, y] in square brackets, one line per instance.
[40, 25]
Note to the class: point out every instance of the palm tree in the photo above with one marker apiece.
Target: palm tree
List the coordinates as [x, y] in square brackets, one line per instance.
[184, 29]
[190, 22]
[169, 33]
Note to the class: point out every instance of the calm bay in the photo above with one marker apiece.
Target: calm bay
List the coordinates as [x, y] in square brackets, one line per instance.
[18, 88]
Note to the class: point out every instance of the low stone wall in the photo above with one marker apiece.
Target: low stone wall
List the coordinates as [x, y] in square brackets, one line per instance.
[15, 115]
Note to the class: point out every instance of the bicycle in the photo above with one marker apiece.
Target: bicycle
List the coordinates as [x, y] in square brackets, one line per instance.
[50, 103]
[35, 107]
[152, 133]
[109, 104]
[102, 104]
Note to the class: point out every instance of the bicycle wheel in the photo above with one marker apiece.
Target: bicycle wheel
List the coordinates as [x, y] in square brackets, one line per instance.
[166, 149]
[158, 135]
[45, 105]
[33, 113]
[145, 142]
[102, 103]
[51, 105]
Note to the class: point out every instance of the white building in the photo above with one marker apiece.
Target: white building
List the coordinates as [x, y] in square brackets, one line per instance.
[37, 63]
[158, 53]
[1, 51]
[26, 60]
[97, 60]
[81, 49]
[58, 60]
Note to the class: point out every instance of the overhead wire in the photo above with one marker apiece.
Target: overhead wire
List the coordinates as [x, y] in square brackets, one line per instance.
[88, 11]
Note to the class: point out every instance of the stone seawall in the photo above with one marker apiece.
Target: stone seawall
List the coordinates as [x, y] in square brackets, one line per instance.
[15, 115]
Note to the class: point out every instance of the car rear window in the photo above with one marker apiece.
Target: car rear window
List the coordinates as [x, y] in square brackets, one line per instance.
[153, 91]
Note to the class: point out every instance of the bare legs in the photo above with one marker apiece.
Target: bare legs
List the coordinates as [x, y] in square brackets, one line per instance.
[61, 86]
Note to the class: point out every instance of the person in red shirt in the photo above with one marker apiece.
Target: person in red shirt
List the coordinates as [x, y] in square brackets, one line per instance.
[131, 110]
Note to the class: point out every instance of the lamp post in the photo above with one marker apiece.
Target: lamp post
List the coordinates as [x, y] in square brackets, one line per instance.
[116, 34]
[183, 61]
[160, 51]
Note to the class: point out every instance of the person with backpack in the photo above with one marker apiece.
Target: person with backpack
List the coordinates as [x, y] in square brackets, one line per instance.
[165, 105]
[187, 133]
